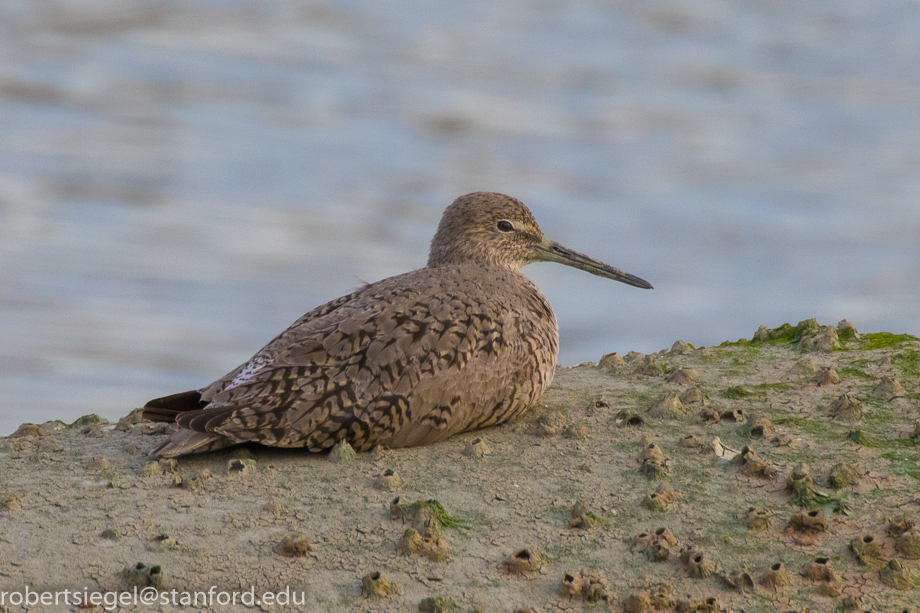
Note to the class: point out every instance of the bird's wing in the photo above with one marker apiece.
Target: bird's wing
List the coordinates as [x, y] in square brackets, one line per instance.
[314, 383]
[309, 324]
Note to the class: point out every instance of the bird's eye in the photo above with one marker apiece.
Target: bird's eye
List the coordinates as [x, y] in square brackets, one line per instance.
[504, 226]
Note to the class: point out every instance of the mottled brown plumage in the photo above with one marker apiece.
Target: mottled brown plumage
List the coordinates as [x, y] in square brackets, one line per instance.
[464, 343]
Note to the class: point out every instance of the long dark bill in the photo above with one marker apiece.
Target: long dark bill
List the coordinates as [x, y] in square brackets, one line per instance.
[550, 251]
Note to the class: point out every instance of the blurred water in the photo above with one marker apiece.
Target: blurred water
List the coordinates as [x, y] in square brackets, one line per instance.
[180, 180]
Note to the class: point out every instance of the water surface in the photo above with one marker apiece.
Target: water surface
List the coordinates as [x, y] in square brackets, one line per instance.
[181, 180]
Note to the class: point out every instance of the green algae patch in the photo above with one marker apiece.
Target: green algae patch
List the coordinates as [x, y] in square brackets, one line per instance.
[861, 438]
[904, 463]
[785, 333]
[581, 517]
[847, 334]
[804, 493]
[808, 334]
[88, 420]
[423, 512]
[814, 427]
[884, 340]
[908, 362]
[855, 373]
[741, 342]
[736, 393]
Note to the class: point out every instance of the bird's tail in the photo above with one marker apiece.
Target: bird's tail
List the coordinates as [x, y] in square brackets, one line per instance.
[184, 441]
[168, 407]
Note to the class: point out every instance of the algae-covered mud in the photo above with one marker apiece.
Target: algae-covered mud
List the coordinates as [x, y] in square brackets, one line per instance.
[780, 473]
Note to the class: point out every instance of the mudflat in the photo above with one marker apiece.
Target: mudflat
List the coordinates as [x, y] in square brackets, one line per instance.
[770, 474]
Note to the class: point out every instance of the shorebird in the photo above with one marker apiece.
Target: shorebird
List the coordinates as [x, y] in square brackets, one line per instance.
[465, 343]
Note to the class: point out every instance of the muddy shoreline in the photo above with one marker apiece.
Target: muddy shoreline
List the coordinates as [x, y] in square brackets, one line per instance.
[684, 480]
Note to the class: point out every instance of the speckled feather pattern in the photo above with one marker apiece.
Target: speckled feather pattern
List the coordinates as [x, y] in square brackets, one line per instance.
[464, 343]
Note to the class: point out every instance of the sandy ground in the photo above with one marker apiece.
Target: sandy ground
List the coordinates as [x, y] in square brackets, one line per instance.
[81, 506]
